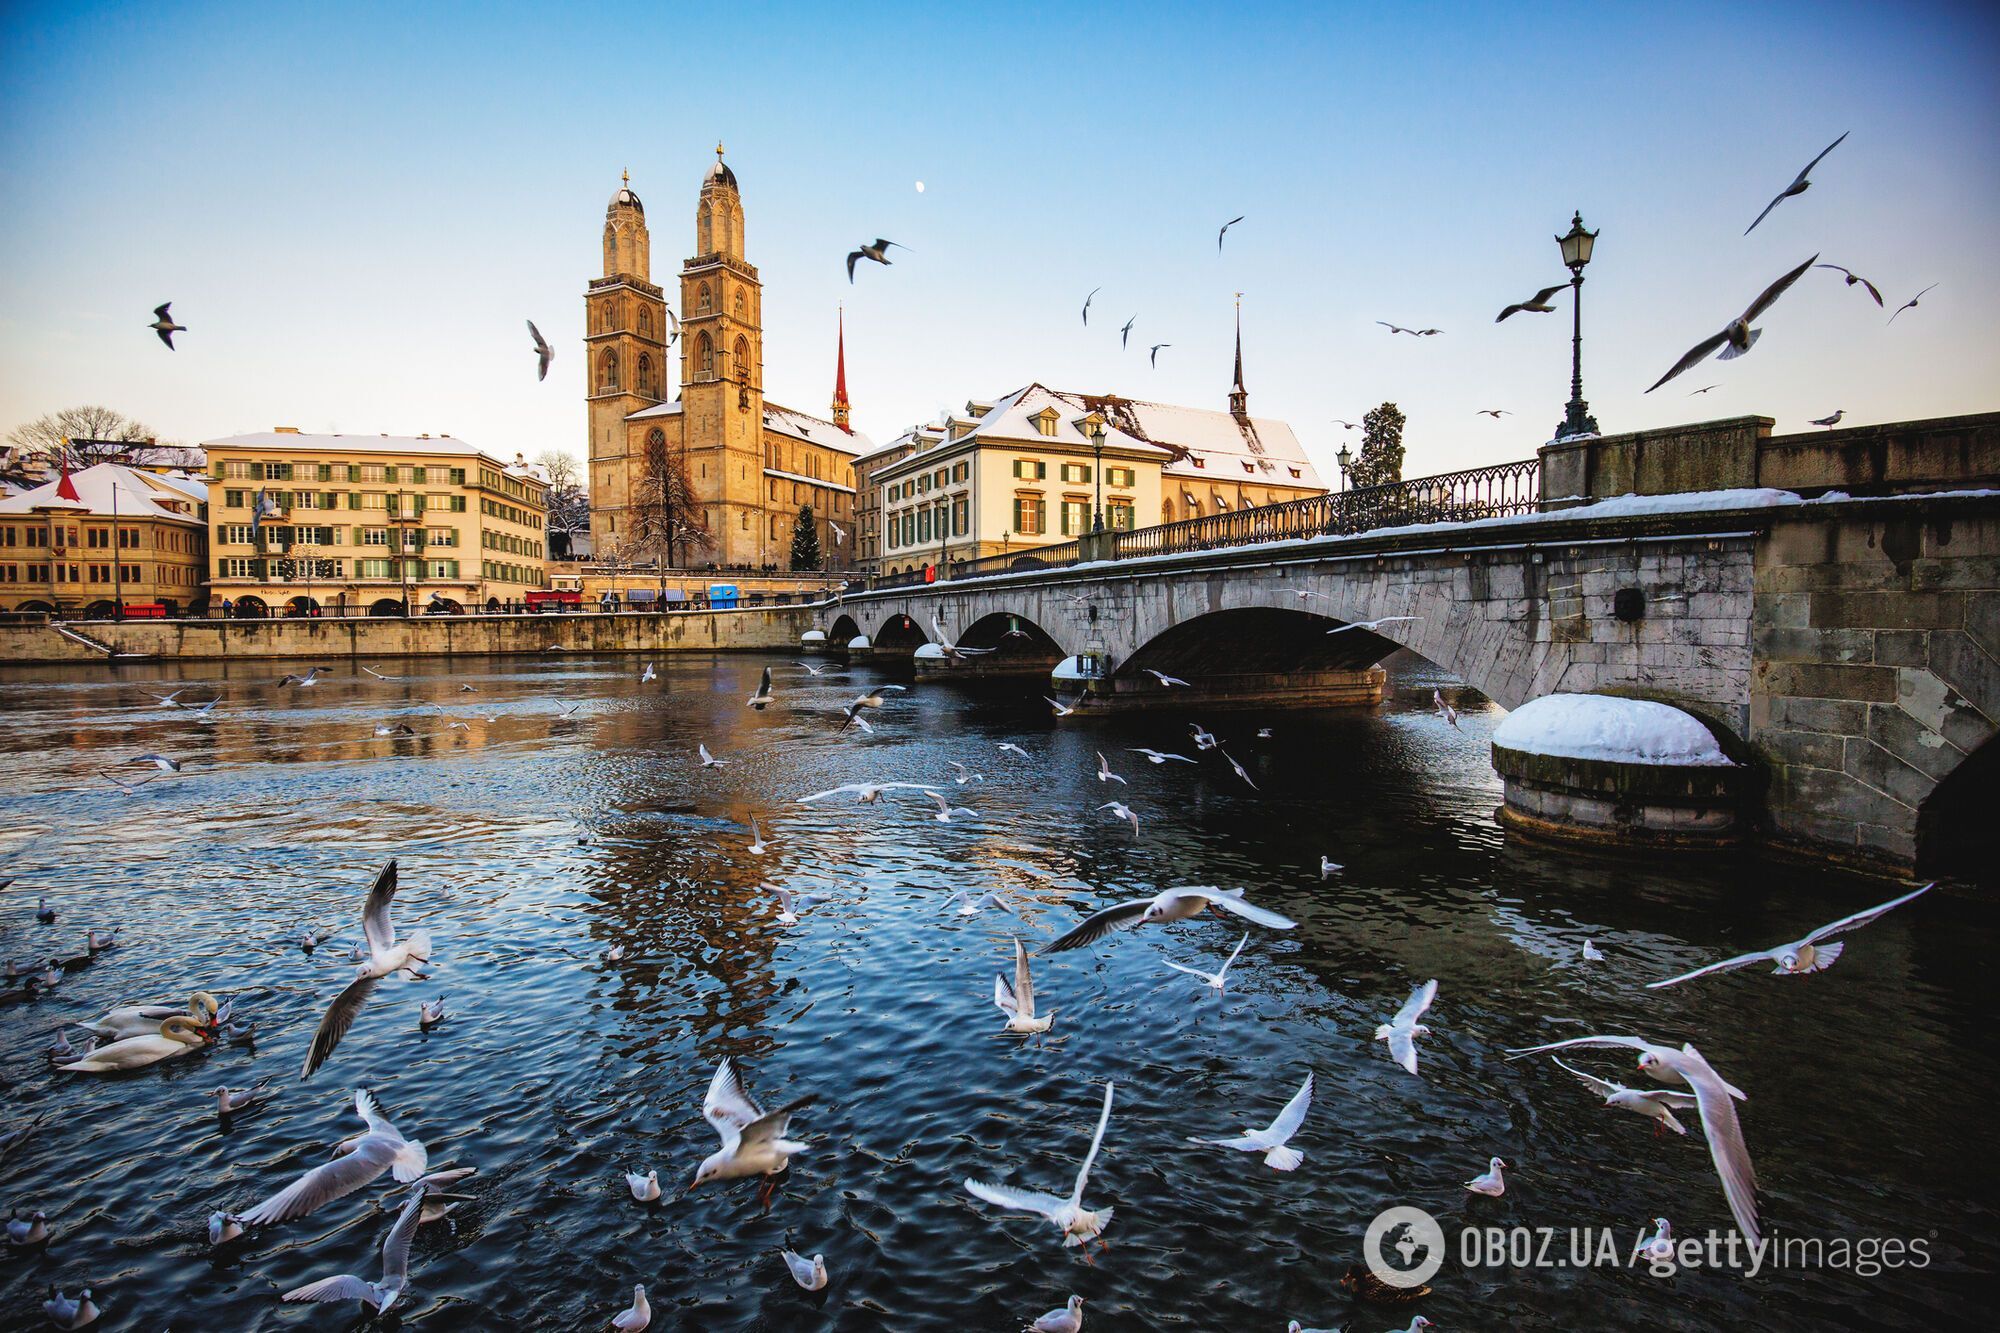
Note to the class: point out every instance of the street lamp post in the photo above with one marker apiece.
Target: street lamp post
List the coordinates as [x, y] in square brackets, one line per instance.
[1576, 248]
[1097, 475]
[1345, 458]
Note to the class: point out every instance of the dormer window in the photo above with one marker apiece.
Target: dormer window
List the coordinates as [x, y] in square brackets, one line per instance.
[1295, 472]
[1248, 466]
[1198, 462]
[1045, 421]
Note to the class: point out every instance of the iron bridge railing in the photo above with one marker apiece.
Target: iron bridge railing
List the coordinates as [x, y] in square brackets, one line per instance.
[1450, 497]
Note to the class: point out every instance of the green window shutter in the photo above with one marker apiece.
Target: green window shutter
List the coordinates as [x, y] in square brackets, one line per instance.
[354, 472]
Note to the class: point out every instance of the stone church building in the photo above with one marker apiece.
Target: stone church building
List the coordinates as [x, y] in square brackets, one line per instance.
[707, 470]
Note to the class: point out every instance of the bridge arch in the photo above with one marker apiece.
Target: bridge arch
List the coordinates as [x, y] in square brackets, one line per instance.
[1956, 834]
[1258, 639]
[1009, 634]
[898, 634]
[843, 632]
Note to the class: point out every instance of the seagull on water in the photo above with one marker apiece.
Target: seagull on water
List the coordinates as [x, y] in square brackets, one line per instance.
[30, 1230]
[1656, 1104]
[1120, 810]
[1372, 624]
[1166, 906]
[1068, 1319]
[81, 1312]
[222, 1228]
[1328, 867]
[1714, 1098]
[1737, 337]
[228, 1101]
[1659, 1247]
[1273, 1138]
[382, 1148]
[646, 1188]
[753, 1140]
[1402, 1031]
[636, 1319]
[1158, 756]
[384, 956]
[1491, 1183]
[1814, 952]
[377, 1296]
[1215, 981]
[808, 1273]
[1078, 1225]
[1799, 183]
[1018, 1001]
[1591, 953]
[431, 1014]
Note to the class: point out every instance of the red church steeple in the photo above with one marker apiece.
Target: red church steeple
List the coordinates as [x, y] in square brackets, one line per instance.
[840, 378]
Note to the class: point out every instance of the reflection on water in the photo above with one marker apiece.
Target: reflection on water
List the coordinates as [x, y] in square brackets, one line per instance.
[534, 838]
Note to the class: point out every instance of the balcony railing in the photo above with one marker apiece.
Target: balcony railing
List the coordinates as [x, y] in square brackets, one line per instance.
[1450, 497]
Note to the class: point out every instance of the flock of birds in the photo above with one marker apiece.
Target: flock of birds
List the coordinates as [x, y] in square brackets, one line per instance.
[756, 1142]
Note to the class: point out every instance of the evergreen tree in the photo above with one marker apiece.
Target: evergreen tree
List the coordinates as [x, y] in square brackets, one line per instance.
[805, 542]
[1381, 460]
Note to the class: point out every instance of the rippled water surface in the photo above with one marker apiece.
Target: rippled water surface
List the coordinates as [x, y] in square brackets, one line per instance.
[533, 840]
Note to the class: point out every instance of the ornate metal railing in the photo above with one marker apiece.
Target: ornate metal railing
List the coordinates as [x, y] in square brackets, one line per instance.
[1474, 493]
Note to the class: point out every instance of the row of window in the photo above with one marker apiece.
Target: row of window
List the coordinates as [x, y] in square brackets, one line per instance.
[512, 513]
[290, 569]
[99, 538]
[512, 545]
[66, 573]
[903, 490]
[500, 572]
[243, 534]
[240, 469]
[917, 526]
[386, 502]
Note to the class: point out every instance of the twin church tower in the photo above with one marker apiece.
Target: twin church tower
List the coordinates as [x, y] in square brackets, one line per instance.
[687, 457]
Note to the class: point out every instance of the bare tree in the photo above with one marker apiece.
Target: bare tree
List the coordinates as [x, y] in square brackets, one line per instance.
[568, 502]
[81, 436]
[668, 522]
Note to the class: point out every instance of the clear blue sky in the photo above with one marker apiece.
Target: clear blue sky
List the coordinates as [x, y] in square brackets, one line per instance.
[354, 208]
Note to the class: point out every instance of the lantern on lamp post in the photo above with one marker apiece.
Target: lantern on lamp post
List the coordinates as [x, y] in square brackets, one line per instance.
[1576, 247]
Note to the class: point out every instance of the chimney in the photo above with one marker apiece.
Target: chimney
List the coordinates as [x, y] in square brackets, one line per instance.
[284, 430]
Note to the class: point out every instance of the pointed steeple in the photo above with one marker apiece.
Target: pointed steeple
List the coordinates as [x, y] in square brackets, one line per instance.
[1239, 397]
[840, 377]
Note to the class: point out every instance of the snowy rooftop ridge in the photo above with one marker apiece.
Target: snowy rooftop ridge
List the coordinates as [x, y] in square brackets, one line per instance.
[140, 494]
[1604, 727]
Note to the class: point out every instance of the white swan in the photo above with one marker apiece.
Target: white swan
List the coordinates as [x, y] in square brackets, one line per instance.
[177, 1036]
[143, 1020]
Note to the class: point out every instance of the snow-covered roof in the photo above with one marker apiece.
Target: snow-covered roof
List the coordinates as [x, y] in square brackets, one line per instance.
[672, 409]
[139, 495]
[810, 481]
[1195, 442]
[275, 441]
[815, 430]
[1601, 726]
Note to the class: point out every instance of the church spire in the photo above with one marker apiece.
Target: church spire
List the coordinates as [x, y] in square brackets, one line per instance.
[840, 377]
[1239, 397]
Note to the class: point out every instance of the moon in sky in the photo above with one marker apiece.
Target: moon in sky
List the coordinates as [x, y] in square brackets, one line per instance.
[920, 187]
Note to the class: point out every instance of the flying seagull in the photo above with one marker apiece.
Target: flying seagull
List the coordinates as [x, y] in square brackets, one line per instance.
[1911, 304]
[1125, 334]
[1853, 278]
[1271, 1140]
[1656, 1104]
[1414, 333]
[1832, 421]
[1737, 337]
[382, 1148]
[1704, 389]
[1652, 1058]
[753, 1140]
[1799, 184]
[1495, 412]
[1225, 230]
[1086, 303]
[163, 324]
[1018, 1001]
[1166, 681]
[543, 352]
[384, 956]
[1104, 773]
[1537, 304]
[1158, 756]
[307, 681]
[1216, 981]
[867, 793]
[377, 1296]
[1372, 624]
[1402, 1031]
[1806, 954]
[877, 252]
[1165, 906]
[1062, 710]
[1345, 424]
[1120, 810]
[1079, 1225]
[762, 698]
[1153, 354]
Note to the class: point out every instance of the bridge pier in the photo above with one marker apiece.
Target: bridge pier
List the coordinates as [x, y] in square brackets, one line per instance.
[1211, 693]
[1029, 671]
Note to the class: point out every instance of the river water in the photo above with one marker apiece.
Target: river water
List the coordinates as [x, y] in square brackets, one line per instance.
[544, 832]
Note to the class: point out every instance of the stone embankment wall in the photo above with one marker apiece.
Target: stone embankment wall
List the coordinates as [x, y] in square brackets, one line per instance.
[764, 629]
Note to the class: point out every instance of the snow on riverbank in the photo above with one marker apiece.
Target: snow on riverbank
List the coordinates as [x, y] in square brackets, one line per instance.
[1598, 726]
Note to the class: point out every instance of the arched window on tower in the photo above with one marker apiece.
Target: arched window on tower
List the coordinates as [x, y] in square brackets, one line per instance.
[607, 371]
[703, 300]
[656, 454]
[645, 322]
[741, 307]
[646, 385]
[742, 356]
[704, 355]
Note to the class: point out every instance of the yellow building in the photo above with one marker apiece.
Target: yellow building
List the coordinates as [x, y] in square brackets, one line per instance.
[370, 524]
[718, 474]
[118, 537]
[1020, 472]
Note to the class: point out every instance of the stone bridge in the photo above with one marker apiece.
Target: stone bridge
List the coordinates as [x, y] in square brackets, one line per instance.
[1847, 648]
